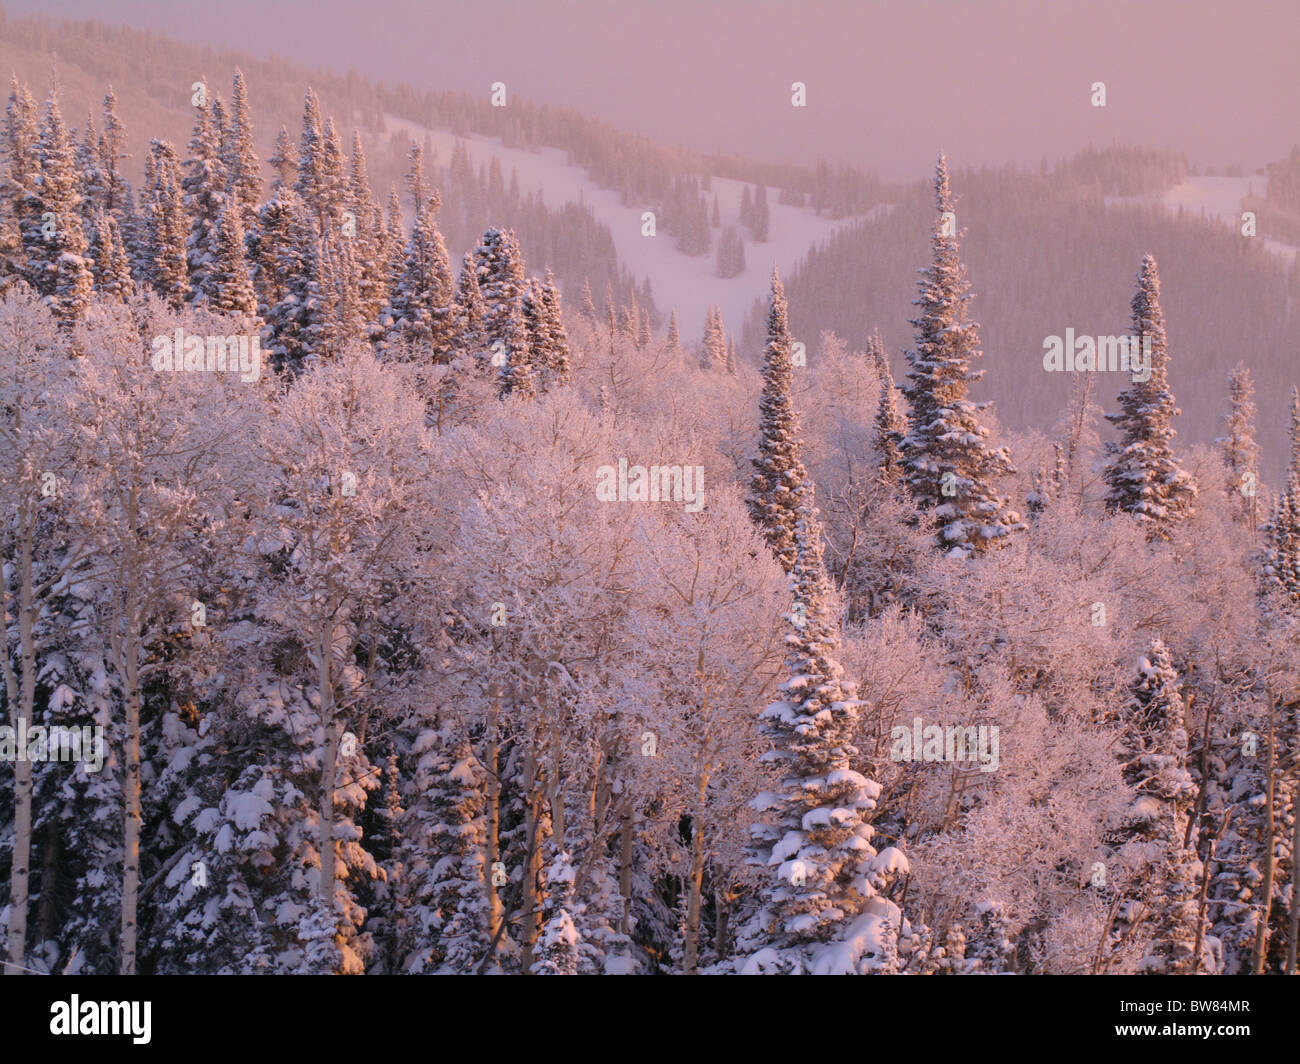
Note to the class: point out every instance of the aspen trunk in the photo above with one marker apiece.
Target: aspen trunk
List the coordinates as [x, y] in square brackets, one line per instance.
[21, 702]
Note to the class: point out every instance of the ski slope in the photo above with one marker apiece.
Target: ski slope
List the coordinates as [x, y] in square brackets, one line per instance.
[1219, 198]
[680, 282]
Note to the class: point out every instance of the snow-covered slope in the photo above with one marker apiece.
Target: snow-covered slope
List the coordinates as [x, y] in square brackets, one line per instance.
[682, 283]
[1219, 198]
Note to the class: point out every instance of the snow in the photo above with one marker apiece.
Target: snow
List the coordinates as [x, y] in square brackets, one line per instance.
[690, 285]
[1219, 198]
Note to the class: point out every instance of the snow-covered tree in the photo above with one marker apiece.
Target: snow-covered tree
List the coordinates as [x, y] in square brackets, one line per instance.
[779, 475]
[950, 468]
[818, 908]
[1143, 476]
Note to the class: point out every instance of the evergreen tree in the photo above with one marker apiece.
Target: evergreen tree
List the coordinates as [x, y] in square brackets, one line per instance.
[1155, 766]
[55, 243]
[284, 161]
[714, 356]
[229, 286]
[779, 474]
[559, 946]
[500, 268]
[731, 253]
[204, 196]
[1282, 555]
[1240, 452]
[731, 357]
[17, 179]
[165, 227]
[243, 172]
[949, 466]
[469, 310]
[516, 376]
[891, 427]
[422, 309]
[674, 339]
[368, 238]
[588, 308]
[1143, 477]
[112, 150]
[112, 272]
[814, 846]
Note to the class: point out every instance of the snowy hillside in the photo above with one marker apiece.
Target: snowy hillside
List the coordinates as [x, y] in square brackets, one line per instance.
[683, 283]
[1220, 198]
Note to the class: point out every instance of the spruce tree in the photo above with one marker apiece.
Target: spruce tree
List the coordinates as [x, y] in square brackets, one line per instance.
[588, 308]
[891, 427]
[165, 227]
[674, 338]
[53, 237]
[1282, 554]
[949, 466]
[229, 286]
[516, 376]
[1240, 452]
[204, 196]
[1155, 766]
[500, 268]
[469, 311]
[779, 474]
[814, 846]
[284, 161]
[112, 273]
[243, 172]
[112, 150]
[1142, 474]
[422, 309]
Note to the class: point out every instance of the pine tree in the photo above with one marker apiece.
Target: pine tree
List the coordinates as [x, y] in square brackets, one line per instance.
[368, 238]
[112, 150]
[814, 847]
[674, 339]
[1282, 555]
[229, 286]
[714, 355]
[891, 427]
[204, 196]
[761, 215]
[1155, 766]
[1240, 452]
[284, 161]
[559, 945]
[165, 227]
[779, 474]
[112, 272]
[91, 179]
[949, 467]
[294, 265]
[588, 308]
[732, 369]
[243, 172]
[55, 243]
[17, 179]
[422, 309]
[516, 376]
[469, 311]
[1143, 476]
[500, 268]
[417, 186]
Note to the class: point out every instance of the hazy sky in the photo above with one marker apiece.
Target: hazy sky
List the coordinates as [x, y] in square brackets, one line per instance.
[990, 81]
